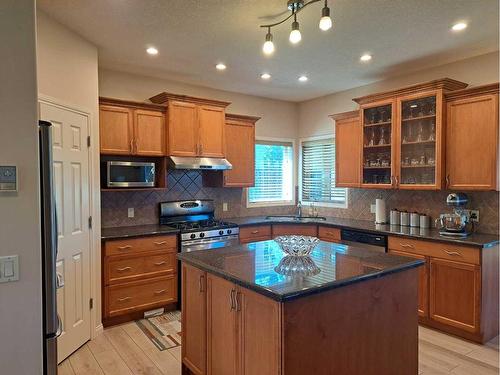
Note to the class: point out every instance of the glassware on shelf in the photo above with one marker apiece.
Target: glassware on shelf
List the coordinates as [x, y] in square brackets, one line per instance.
[421, 109]
[371, 141]
[373, 117]
[406, 161]
[420, 132]
[414, 161]
[431, 108]
[383, 115]
[432, 133]
[431, 161]
[422, 160]
[381, 141]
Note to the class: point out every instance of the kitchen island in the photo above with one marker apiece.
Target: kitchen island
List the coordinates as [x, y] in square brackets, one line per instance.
[249, 309]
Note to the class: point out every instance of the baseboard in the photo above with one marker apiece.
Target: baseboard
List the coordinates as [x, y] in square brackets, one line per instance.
[98, 330]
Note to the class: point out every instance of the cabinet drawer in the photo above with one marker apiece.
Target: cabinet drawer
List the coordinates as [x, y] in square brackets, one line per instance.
[134, 245]
[120, 269]
[289, 229]
[329, 234]
[255, 233]
[436, 249]
[140, 295]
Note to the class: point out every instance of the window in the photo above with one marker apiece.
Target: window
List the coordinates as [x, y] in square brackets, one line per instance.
[273, 174]
[317, 174]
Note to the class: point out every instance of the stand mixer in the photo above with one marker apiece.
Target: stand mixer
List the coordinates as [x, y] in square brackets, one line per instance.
[458, 223]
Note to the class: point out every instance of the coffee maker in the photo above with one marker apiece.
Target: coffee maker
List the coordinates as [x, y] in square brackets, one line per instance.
[458, 223]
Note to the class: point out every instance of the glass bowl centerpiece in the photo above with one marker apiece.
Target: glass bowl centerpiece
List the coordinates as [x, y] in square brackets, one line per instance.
[297, 266]
[297, 246]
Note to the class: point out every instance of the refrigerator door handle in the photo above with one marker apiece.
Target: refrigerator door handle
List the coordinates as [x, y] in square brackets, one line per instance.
[59, 280]
[59, 326]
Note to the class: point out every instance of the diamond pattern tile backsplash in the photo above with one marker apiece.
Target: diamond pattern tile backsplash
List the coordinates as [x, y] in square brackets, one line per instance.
[187, 184]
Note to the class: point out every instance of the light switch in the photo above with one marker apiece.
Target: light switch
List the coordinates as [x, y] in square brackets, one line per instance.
[9, 268]
[224, 206]
[131, 212]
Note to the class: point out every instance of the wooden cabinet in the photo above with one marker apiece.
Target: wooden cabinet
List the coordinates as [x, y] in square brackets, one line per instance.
[239, 135]
[298, 229]
[455, 291]
[255, 233]
[194, 311]
[328, 234]
[195, 125]
[458, 287]
[472, 139]
[138, 274]
[423, 282]
[348, 151]
[130, 128]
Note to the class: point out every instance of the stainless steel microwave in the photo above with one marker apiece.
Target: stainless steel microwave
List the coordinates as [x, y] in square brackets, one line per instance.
[130, 174]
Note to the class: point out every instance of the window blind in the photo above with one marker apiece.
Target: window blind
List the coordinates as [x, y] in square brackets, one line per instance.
[273, 172]
[318, 173]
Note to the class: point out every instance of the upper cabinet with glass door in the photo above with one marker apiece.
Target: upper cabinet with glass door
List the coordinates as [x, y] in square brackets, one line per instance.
[378, 145]
[420, 157]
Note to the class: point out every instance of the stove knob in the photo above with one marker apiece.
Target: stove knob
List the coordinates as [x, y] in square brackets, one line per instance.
[193, 236]
[221, 232]
[202, 235]
[229, 231]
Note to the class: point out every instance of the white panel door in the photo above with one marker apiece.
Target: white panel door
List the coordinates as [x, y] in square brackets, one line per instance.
[71, 184]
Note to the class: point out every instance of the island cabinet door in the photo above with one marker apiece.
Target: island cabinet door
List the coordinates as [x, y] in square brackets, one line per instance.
[222, 345]
[455, 294]
[194, 313]
[259, 322]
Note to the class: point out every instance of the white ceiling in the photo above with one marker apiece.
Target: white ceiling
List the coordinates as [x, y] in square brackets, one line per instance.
[193, 35]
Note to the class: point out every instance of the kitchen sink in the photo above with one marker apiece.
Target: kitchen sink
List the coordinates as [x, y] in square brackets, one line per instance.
[295, 218]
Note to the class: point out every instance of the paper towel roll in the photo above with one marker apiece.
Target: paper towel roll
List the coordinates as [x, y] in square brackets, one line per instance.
[380, 213]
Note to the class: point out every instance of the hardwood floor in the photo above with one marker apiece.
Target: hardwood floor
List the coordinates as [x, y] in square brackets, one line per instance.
[125, 349]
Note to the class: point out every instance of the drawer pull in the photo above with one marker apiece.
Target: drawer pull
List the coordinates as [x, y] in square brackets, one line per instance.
[124, 299]
[124, 269]
[161, 243]
[255, 231]
[160, 263]
[160, 291]
[201, 281]
[406, 245]
[453, 253]
[126, 247]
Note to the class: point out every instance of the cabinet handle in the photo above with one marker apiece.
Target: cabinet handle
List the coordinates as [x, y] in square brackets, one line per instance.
[232, 300]
[160, 291]
[453, 253]
[160, 263]
[124, 269]
[255, 231]
[135, 144]
[124, 299]
[131, 145]
[200, 280]
[396, 180]
[201, 149]
[406, 245]
[447, 181]
[160, 243]
[238, 301]
[225, 179]
[126, 247]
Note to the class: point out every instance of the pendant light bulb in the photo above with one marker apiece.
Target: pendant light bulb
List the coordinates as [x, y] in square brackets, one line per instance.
[325, 23]
[268, 47]
[295, 35]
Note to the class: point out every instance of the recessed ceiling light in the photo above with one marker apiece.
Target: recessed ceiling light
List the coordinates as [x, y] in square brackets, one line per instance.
[152, 51]
[220, 66]
[265, 76]
[303, 78]
[366, 57]
[459, 26]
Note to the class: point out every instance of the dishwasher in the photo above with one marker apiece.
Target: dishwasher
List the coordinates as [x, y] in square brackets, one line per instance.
[369, 241]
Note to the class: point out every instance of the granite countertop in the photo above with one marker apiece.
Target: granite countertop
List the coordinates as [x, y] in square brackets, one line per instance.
[476, 239]
[136, 231]
[253, 266]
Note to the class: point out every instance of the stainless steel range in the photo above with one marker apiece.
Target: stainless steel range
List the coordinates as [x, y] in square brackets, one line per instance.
[197, 224]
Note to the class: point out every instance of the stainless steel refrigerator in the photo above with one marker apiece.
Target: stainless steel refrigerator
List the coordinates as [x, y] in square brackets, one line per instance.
[51, 322]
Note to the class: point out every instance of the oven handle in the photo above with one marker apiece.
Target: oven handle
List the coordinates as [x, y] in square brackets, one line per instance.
[209, 240]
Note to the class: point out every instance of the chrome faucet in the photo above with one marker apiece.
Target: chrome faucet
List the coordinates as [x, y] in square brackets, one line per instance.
[299, 209]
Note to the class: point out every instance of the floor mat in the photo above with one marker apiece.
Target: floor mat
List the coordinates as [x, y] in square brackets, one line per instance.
[164, 330]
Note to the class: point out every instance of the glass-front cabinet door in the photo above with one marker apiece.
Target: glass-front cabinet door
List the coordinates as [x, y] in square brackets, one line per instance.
[377, 167]
[419, 154]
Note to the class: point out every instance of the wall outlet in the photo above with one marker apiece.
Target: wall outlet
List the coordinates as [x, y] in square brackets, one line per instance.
[224, 206]
[474, 215]
[9, 268]
[131, 212]
[373, 208]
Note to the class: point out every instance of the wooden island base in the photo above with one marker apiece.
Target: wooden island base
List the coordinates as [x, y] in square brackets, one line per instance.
[365, 328]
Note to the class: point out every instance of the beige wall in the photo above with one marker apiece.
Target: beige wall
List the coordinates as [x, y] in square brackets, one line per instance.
[313, 114]
[279, 118]
[67, 75]
[20, 302]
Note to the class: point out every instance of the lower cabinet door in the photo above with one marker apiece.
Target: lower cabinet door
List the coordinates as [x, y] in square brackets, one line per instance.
[455, 292]
[423, 284]
[260, 334]
[194, 313]
[222, 348]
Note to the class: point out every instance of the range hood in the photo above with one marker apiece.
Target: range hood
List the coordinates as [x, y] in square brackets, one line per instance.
[215, 164]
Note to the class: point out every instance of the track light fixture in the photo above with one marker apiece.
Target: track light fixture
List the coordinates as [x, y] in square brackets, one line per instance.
[295, 6]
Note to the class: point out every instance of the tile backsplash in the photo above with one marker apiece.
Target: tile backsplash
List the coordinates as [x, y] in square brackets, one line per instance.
[183, 184]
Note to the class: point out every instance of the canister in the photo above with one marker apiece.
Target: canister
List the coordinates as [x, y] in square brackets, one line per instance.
[414, 219]
[425, 221]
[395, 217]
[404, 218]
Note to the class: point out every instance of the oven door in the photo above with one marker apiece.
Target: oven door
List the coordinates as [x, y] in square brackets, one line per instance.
[130, 174]
[209, 243]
